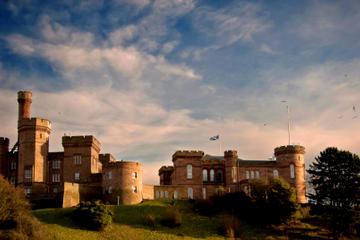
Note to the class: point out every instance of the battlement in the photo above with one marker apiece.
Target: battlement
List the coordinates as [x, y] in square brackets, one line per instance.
[106, 158]
[80, 141]
[123, 164]
[4, 141]
[187, 154]
[35, 122]
[166, 169]
[24, 96]
[293, 149]
[230, 153]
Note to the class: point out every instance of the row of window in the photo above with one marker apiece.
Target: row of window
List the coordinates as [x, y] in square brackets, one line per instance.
[134, 189]
[165, 194]
[134, 175]
[253, 174]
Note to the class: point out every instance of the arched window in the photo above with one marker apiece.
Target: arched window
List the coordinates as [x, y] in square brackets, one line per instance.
[189, 171]
[110, 189]
[219, 175]
[205, 175]
[292, 171]
[245, 189]
[175, 195]
[232, 173]
[247, 175]
[190, 193]
[257, 174]
[204, 193]
[212, 175]
[276, 173]
[157, 194]
[162, 194]
[166, 194]
[252, 174]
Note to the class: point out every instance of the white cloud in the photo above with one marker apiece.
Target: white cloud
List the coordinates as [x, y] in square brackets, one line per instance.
[169, 46]
[265, 48]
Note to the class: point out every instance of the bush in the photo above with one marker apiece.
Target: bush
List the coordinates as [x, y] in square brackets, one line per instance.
[230, 227]
[150, 220]
[16, 219]
[171, 218]
[204, 207]
[93, 215]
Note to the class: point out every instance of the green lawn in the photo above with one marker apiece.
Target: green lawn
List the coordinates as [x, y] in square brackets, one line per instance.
[129, 224]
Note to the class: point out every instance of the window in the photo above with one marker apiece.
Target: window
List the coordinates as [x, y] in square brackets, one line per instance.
[77, 159]
[204, 193]
[162, 194]
[134, 175]
[189, 171]
[28, 173]
[27, 190]
[190, 193]
[205, 177]
[55, 190]
[292, 171]
[229, 189]
[245, 189]
[257, 174]
[110, 189]
[252, 174]
[232, 173]
[56, 177]
[110, 174]
[77, 176]
[175, 195]
[166, 194]
[157, 194]
[12, 179]
[134, 188]
[247, 175]
[212, 175]
[219, 175]
[56, 164]
[13, 165]
[40, 135]
[276, 173]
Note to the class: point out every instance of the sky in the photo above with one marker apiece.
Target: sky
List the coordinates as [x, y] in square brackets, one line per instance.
[149, 77]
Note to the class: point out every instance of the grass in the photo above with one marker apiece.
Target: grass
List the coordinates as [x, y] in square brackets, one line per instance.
[129, 223]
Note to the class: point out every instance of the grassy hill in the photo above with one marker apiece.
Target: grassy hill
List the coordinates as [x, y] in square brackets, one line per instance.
[129, 223]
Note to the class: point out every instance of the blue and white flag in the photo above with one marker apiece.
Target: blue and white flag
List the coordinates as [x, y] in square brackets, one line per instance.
[214, 138]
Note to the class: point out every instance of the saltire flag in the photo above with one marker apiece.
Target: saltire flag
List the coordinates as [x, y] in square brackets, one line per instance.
[214, 138]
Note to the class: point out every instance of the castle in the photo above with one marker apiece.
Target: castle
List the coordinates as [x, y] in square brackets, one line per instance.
[196, 175]
[81, 172]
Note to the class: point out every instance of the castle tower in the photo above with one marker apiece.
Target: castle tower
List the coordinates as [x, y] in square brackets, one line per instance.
[33, 139]
[291, 164]
[81, 158]
[230, 157]
[4, 150]
[188, 169]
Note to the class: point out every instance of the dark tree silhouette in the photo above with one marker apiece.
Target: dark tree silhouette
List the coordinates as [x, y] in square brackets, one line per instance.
[335, 178]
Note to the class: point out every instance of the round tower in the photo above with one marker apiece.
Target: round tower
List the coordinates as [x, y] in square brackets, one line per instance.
[4, 149]
[291, 165]
[24, 100]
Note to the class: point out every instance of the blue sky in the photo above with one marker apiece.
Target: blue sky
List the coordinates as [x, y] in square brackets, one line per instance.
[149, 77]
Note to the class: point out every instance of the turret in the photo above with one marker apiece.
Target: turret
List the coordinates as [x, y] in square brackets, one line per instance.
[230, 157]
[291, 165]
[24, 100]
[188, 169]
[4, 149]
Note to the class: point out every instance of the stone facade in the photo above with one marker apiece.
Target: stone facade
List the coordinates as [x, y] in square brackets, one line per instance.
[196, 175]
[78, 173]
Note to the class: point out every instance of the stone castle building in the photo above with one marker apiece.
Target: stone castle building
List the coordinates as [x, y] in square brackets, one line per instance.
[81, 172]
[196, 175]
[78, 173]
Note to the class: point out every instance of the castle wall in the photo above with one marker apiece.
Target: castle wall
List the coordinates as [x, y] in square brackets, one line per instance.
[123, 183]
[148, 192]
[4, 150]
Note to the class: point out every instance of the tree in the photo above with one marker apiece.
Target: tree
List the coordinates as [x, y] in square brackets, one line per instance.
[335, 179]
[273, 199]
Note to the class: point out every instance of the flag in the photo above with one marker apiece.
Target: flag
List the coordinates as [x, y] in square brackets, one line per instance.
[214, 138]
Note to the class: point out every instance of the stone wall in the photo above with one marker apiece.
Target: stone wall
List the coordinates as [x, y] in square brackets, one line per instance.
[148, 192]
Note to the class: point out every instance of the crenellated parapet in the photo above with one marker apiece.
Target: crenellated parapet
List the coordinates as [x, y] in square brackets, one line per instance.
[164, 169]
[24, 96]
[231, 153]
[289, 149]
[123, 164]
[35, 124]
[106, 158]
[4, 141]
[81, 141]
[187, 154]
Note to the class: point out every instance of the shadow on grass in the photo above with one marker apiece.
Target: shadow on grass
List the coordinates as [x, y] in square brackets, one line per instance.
[192, 225]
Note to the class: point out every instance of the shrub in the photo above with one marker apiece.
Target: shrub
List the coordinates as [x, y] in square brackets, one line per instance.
[93, 215]
[150, 220]
[171, 218]
[204, 207]
[230, 227]
[16, 219]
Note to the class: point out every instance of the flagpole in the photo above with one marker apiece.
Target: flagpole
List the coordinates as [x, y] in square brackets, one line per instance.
[288, 113]
[220, 144]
